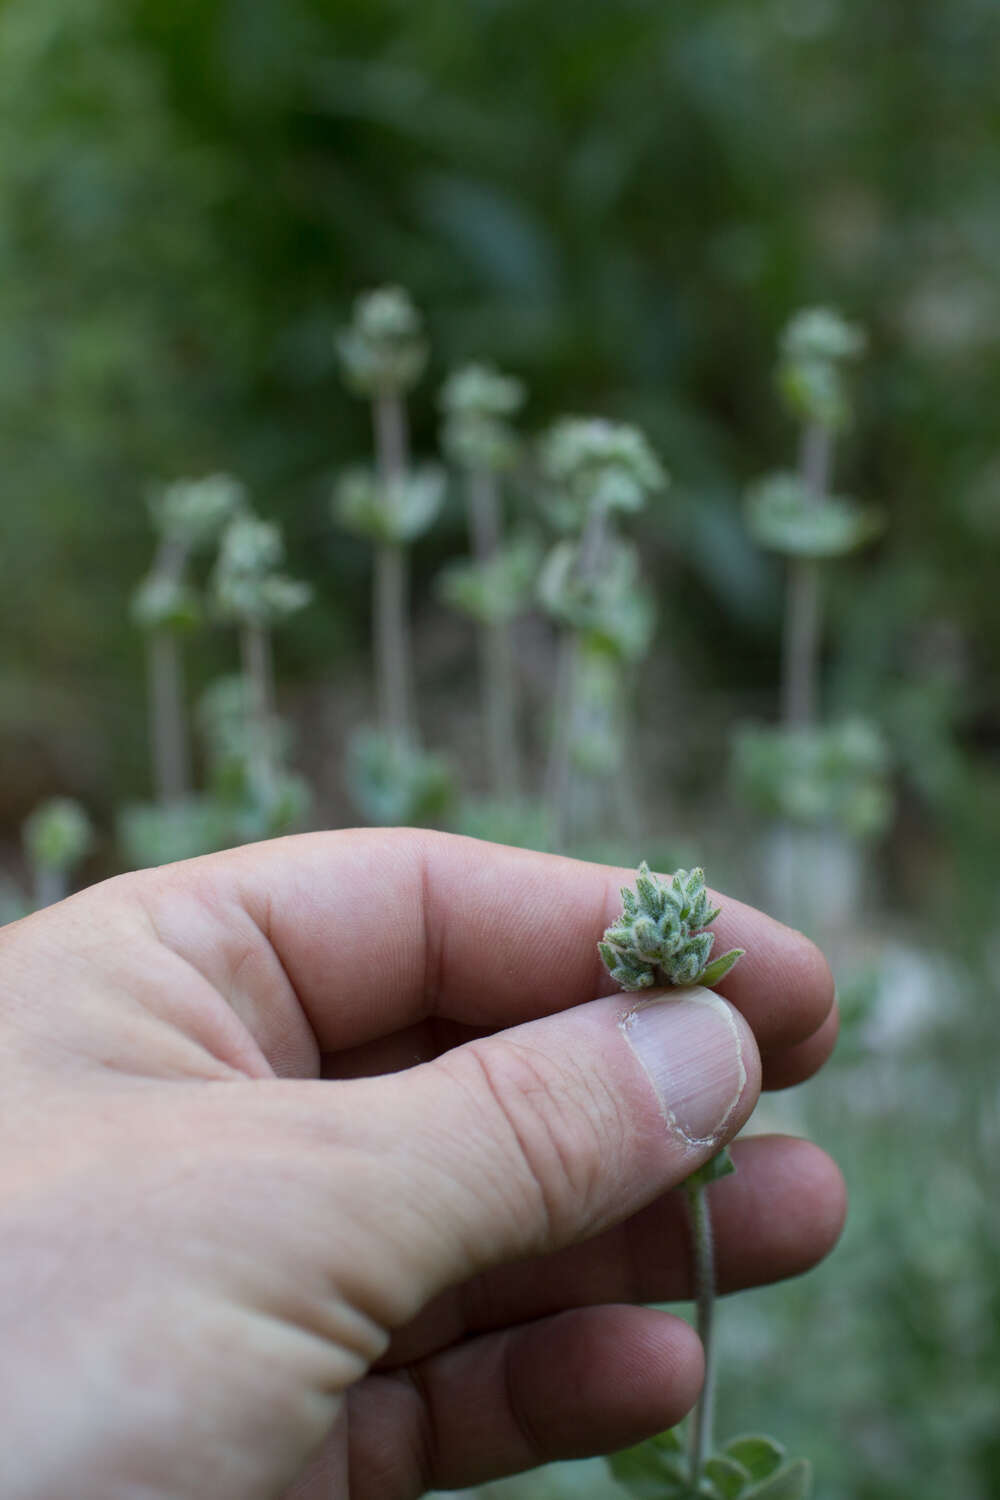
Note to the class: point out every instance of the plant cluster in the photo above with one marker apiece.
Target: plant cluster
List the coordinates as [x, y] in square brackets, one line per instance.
[250, 791]
[586, 472]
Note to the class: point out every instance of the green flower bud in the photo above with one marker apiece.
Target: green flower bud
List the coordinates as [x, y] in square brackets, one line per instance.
[659, 938]
[475, 441]
[244, 585]
[251, 546]
[193, 512]
[383, 350]
[820, 333]
[481, 391]
[813, 346]
[600, 463]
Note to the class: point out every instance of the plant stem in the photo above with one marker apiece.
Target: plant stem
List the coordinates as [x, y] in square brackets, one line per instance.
[800, 650]
[702, 1246]
[166, 714]
[258, 669]
[391, 638]
[558, 778]
[51, 885]
[167, 729]
[496, 656]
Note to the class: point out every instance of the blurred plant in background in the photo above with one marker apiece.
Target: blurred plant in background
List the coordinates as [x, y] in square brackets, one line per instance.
[623, 205]
[831, 778]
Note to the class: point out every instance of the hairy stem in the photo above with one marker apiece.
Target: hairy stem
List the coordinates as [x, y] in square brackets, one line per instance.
[51, 885]
[800, 647]
[703, 1251]
[559, 772]
[167, 726]
[496, 655]
[258, 669]
[168, 738]
[391, 637]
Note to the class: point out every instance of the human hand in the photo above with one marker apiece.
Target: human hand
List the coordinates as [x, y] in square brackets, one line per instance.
[324, 1170]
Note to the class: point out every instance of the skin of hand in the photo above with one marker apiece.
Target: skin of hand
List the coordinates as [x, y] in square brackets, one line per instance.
[331, 1166]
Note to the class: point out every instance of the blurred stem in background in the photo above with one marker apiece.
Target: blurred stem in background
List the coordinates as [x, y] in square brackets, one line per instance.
[801, 638]
[168, 729]
[565, 693]
[478, 438]
[250, 592]
[383, 353]
[814, 345]
[393, 669]
[188, 516]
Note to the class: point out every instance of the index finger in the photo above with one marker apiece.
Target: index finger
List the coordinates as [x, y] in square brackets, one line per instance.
[380, 929]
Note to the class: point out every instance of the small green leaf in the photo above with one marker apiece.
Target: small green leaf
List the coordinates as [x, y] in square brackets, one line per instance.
[650, 893]
[720, 967]
[783, 515]
[759, 1454]
[793, 1482]
[652, 1470]
[728, 1476]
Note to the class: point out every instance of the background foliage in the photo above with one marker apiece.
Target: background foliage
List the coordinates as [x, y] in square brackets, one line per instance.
[623, 204]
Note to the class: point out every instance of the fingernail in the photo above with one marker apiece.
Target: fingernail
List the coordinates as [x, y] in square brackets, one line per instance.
[689, 1045]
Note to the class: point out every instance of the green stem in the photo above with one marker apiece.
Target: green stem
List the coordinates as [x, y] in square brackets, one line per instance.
[704, 1280]
[559, 777]
[258, 669]
[167, 727]
[51, 885]
[496, 656]
[391, 637]
[166, 715]
[800, 652]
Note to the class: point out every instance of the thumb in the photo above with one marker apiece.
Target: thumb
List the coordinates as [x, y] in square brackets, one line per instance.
[533, 1138]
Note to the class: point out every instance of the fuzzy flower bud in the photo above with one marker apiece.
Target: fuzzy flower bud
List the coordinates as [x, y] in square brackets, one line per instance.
[660, 938]
[601, 463]
[814, 346]
[193, 512]
[245, 583]
[480, 390]
[384, 349]
[821, 333]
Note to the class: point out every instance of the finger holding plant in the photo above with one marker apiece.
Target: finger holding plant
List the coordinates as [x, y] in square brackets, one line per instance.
[662, 938]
